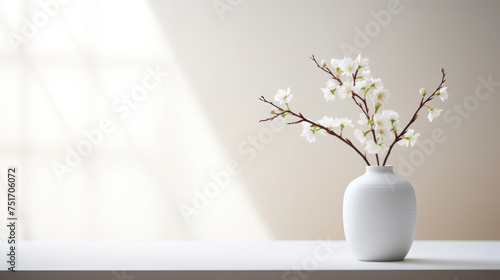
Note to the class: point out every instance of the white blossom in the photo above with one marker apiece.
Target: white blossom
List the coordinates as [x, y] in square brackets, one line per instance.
[384, 133]
[409, 138]
[378, 83]
[347, 88]
[361, 84]
[342, 122]
[382, 126]
[363, 120]
[335, 63]
[362, 61]
[348, 66]
[327, 122]
[328, 94]
[396, 126]
[358, 133]
[380, 95]
[433, 113]
[283, 96]
[391, 115]
[443, 93]
[413, 138]
[374, 148]
[331, 88]
[393, 118]
[308, 132]
[380, 120]
[332, 83]
[367, 76]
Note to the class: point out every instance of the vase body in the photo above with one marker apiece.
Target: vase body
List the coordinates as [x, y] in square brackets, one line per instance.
[380, 215]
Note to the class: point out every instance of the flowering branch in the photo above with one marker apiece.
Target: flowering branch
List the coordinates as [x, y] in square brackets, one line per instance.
[360, 105]
[423, 102]
[326, 69]
[354, 95]
[352, 78]
[313, 124]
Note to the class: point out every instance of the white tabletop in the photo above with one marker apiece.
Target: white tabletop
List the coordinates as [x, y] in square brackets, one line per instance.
[247, 256]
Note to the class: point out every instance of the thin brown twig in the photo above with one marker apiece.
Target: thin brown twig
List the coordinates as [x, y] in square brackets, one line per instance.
[365, 110]
[303, 119]
[414, 117]
[326, 69]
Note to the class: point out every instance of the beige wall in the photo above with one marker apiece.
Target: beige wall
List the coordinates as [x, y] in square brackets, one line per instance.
[203, 119]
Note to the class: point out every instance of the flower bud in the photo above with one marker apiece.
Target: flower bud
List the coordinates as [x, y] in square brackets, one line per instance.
[422, 91]
[442, 70]
[323, 62]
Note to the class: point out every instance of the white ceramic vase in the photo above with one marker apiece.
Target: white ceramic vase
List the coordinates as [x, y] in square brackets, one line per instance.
[380, 215]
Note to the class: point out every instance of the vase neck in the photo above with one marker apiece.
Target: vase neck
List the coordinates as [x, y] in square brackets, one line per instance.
[379, 169]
